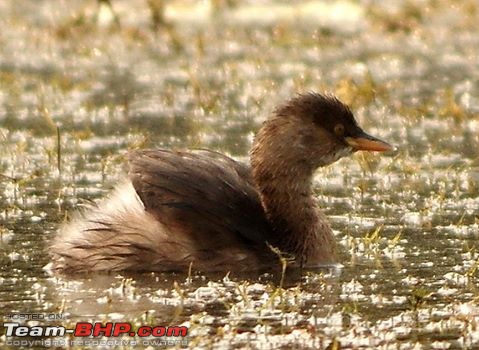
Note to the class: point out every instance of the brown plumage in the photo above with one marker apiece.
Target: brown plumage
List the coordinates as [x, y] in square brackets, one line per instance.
[205, 209]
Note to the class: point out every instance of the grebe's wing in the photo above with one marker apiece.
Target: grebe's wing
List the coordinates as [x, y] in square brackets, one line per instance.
[206, 195]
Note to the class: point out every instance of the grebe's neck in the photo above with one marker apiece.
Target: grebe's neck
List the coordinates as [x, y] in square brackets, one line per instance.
[283, 176]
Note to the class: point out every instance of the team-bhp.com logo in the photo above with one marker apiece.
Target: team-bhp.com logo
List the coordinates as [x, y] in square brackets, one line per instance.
[86, 329]
[97, 329]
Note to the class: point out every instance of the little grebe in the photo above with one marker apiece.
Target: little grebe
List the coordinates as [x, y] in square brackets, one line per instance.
[206, 209]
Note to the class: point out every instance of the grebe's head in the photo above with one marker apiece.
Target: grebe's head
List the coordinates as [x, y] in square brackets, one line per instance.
[318, 130]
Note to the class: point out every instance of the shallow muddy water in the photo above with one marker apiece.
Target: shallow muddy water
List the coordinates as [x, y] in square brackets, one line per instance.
[76, 83]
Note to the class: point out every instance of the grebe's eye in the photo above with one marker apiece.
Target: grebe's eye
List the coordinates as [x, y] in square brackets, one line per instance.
[339, 129]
